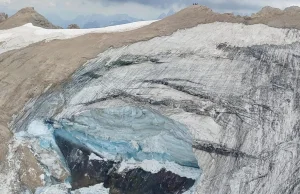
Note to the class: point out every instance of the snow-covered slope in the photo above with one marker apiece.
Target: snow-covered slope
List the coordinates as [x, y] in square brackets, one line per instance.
[234, 88]
[27, 34]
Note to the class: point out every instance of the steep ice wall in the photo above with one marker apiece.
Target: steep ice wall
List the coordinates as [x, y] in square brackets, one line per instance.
[235, 87]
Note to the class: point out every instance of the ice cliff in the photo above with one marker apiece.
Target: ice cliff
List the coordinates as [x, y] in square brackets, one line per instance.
[230, 91]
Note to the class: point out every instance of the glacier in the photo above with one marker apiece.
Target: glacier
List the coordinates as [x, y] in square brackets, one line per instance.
[225, 95]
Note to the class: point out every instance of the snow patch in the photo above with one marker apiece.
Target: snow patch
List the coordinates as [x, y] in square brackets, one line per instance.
[99, 188]
[27, 34]
[54, 189]
[155, 166]
[37, 128]
[94, 157]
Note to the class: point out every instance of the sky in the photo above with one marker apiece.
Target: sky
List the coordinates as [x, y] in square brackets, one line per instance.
[142, 9]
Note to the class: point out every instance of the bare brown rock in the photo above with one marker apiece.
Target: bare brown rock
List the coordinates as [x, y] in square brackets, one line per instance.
[273, 17]
[24, 16]
[30, 171]
[292, 10]
[5, 135]
[267, 12]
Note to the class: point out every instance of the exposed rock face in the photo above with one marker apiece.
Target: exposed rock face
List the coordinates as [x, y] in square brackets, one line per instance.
[292, 10]
[30, 171]
[73, 26]
[24, 16]
[3, 17]
[234, 86]
[267, 12]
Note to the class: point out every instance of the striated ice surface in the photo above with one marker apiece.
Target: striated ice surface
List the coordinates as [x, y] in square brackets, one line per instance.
[131, 132]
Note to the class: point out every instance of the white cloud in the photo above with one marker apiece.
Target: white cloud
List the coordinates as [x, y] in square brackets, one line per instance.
[5, 2]
[52, 4]
[68, 3]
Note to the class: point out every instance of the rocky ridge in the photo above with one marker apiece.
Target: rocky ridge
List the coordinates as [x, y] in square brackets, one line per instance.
[24, 16]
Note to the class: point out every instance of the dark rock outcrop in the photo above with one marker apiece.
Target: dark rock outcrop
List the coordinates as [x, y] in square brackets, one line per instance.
[3, 17]
[86, 172]
[73, 26]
